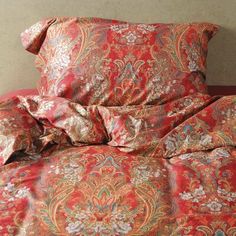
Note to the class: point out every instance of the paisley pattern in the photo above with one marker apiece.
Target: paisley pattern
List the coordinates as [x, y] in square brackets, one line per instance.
[84, 191]
[211, 127]
[166, 169]
[75, 162]
[96, 61]
[18, 131]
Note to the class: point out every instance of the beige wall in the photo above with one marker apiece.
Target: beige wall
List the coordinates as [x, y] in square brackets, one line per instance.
[16, 65]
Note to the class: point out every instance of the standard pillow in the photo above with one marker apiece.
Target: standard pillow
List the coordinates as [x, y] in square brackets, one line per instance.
[96, 61]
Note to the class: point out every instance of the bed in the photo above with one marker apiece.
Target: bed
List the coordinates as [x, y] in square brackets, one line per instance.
[121, 137]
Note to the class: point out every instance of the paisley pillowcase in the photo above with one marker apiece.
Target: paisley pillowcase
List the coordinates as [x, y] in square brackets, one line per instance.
[96, 61]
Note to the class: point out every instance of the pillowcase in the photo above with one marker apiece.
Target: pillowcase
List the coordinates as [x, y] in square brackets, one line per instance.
[96, 61]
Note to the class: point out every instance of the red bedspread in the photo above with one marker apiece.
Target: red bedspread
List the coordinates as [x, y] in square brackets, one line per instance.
[136, 170]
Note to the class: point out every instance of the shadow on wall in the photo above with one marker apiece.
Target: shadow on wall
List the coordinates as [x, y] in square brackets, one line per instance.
[221, 57]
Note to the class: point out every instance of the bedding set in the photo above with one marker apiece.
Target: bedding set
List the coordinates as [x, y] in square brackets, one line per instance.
[123, 138]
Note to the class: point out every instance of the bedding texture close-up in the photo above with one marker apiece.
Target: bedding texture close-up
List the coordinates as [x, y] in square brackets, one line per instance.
[121, 136]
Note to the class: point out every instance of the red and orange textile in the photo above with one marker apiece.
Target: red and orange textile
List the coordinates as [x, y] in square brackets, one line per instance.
[122, 138]
[167, 169]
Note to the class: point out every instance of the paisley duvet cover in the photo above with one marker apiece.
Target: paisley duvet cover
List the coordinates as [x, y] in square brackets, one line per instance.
[132, 170]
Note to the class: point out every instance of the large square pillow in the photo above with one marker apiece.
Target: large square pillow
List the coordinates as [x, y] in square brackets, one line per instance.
[96, 61]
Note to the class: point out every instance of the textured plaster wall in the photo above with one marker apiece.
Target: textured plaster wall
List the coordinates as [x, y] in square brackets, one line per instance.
[17, 66]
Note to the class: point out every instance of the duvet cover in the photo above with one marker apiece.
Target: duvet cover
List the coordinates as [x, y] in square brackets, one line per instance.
[166, 169]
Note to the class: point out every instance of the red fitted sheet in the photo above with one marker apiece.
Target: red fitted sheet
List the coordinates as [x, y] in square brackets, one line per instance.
[222, 90]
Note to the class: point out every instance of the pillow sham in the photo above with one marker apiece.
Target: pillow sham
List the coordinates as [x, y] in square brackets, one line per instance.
[96, 61]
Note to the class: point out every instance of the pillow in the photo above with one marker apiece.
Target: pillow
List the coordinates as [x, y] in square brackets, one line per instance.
[96, 61]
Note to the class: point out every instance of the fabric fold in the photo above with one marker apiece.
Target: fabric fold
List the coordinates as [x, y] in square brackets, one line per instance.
[32, 124]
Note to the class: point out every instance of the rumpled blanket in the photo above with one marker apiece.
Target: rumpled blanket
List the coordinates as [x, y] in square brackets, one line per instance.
[166, 169]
